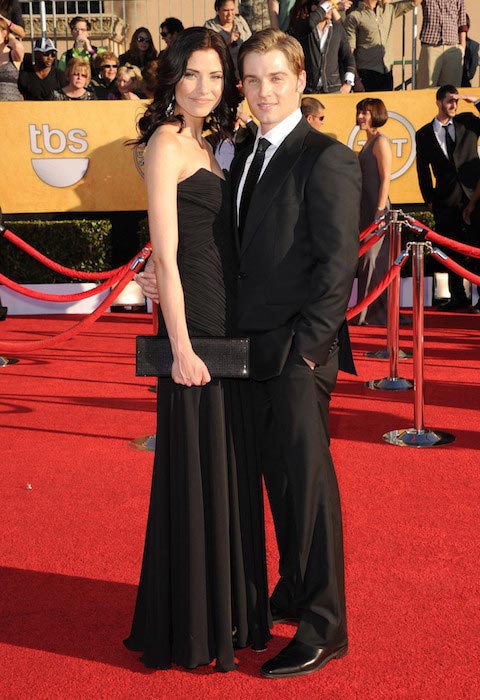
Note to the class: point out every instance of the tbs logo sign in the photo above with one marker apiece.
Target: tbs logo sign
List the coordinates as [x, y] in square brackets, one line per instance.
[58, 172]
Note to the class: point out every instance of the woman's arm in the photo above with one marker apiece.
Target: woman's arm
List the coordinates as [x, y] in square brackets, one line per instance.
[383, 155]
[15, 22]
[16, 48]
[162, 182]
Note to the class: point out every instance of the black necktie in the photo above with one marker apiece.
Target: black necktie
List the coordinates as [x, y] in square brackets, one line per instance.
[251, 180]
[449, 142]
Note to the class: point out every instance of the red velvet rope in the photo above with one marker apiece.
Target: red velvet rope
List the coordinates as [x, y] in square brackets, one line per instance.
[375, 292]
[371, 242]
[26, 346]
[455, 267]
[44, 296]
[430, 235]
[68, 272]
[368, 230]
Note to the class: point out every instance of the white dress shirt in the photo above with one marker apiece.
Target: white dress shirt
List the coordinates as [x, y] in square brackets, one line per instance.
[440, 133]
[276, 136]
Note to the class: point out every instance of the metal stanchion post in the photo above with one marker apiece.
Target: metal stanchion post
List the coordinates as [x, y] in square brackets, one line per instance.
[418, 436]
[393, 382]
[393, 298]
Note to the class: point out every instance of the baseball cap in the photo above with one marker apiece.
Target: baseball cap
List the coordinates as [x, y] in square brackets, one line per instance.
[44, 45]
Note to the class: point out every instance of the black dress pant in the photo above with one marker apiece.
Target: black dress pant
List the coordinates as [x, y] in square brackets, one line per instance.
[449, 222]
[373, 81]
[292, 412]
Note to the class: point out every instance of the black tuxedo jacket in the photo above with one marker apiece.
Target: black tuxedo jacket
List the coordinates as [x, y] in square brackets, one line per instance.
[453, 182]
[299, 251]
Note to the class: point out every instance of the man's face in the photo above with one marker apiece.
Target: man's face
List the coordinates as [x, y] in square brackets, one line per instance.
[447, 108]
[44, 60]
[80, 31]
[272, 89]
[316, 120]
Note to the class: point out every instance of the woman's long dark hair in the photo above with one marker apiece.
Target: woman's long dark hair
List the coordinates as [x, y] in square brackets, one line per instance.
[137, 57]
[172, 65]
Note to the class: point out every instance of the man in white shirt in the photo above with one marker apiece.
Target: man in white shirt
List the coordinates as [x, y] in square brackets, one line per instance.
[447, 148]
[296, 200]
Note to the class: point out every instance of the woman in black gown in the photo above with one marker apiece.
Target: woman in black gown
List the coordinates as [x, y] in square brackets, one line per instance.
[203, 589]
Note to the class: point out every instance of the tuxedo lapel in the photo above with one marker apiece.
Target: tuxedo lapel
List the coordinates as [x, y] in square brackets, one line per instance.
[272, 179]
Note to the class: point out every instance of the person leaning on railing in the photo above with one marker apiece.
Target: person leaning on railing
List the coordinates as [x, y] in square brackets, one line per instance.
[231, 26]
[369, 29]
[141, 50]
[11, 56]
[105, 67]
[39, 77]
[78, 75]
[11, 11]
[82, 48]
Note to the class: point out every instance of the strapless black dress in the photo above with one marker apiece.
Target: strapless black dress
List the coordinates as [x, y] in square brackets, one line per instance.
[203, 586]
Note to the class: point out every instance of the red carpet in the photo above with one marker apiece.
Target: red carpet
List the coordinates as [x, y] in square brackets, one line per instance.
[74, 501]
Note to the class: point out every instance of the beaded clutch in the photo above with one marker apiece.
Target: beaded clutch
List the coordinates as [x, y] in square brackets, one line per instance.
[224, 357]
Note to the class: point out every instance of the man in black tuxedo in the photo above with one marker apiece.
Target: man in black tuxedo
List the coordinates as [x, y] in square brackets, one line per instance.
[447, 148]
[296, 204]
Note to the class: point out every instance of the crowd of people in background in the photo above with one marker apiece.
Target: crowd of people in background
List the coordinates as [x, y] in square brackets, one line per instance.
[348, 47]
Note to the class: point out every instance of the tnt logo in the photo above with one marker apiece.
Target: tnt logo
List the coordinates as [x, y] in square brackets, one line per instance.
[402, 137]
[58, 172]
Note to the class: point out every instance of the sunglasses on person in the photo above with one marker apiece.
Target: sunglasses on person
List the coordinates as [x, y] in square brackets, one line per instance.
[164, 34]
[109, 65]
[143, 39]
[49, 53]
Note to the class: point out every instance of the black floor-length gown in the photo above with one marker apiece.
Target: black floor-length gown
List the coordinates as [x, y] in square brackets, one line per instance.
[203, 589]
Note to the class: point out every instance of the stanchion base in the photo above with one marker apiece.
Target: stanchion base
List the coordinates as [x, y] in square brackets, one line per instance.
[145, 443]
[4, 361]
[418, 438]
[390, 384]
[384, 355]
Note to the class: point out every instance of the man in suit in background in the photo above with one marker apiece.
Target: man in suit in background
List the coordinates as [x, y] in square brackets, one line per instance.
[447, 148]
[296, 201]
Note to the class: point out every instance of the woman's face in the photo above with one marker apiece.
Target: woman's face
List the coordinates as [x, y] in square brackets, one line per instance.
[143, 42]
[364, 119]
[226, 13]
[200, 90]
[78, 79]
[108, 70]
[124, 83]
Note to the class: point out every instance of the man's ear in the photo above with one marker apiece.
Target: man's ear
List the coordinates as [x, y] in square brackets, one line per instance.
[301, 81]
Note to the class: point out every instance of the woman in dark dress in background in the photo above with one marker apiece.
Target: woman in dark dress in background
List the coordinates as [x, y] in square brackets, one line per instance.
[376, 164]
[203, 589]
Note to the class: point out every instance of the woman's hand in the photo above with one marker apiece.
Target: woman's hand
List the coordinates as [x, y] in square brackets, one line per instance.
[148, 281]
[190, 370]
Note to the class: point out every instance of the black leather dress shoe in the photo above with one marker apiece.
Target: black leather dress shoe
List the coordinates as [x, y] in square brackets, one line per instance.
[454, 305]
[279, 615]
[298, 659]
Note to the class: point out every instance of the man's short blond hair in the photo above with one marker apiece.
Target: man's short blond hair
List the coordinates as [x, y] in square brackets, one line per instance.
[269, 40]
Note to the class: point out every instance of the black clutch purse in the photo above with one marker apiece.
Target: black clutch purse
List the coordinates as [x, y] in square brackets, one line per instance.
[224, 357]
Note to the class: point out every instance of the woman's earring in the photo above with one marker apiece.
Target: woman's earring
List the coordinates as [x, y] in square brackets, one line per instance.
[169, 110]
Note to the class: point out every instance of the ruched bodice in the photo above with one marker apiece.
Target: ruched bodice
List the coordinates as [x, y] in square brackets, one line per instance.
[199, 201]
